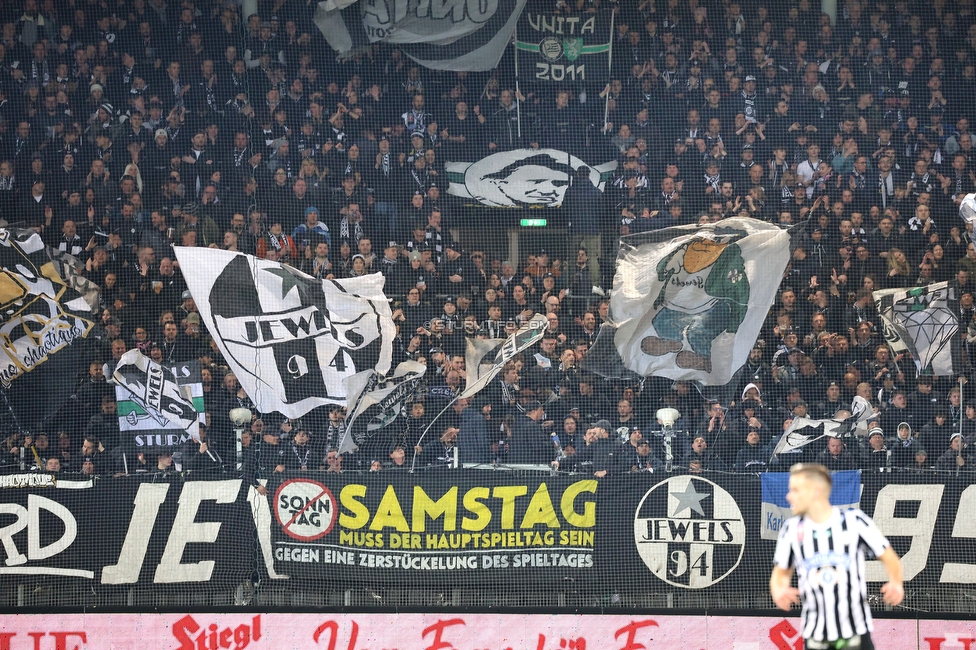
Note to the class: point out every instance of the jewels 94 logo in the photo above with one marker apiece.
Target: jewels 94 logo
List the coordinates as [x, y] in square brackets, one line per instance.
[689, 532]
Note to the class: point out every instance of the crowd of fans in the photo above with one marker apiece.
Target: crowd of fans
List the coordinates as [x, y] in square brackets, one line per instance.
[132, 126]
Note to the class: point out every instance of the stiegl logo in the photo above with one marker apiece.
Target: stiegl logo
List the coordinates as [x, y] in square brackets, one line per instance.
[689, 532]
[196, 636]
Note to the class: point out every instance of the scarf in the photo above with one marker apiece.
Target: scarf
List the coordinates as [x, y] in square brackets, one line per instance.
[777, 172]
[302, 458]
[713, 181]
[887, 188]
[277, 241]
[353, 234]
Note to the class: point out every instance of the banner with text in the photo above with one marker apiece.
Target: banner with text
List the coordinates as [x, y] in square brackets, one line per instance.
[354, 631]
[556, 48]
[644, 534]
[146, 530]
[655, 532]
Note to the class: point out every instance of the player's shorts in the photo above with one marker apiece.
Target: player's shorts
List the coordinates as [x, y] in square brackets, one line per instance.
[859, 642]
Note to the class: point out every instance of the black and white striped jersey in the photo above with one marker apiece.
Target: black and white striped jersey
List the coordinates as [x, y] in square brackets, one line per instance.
[829, 562]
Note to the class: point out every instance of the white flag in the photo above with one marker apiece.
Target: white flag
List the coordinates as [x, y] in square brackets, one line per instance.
[291, 339]
[486, 358]
[923, 321]
[689, 301]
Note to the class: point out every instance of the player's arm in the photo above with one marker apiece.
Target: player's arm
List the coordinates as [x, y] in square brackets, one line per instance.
[893, 591]
[784, 596]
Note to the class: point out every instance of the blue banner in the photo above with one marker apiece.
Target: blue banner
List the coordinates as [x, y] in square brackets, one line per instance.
[846, 493]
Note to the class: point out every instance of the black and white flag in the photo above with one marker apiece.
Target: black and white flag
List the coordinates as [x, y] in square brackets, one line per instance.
[158, 394]
[375, 402]
[522, 178]
[468, 36]
[922, 321]
[803, 431]
[484, 359]
[291, 339]
[43, 320]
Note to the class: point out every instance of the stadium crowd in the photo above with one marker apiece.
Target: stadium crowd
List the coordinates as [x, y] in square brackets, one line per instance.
[132, 126]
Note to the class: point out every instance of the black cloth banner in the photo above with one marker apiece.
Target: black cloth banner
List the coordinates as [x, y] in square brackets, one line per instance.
[519, 531]
[139, 530]
[654, 532]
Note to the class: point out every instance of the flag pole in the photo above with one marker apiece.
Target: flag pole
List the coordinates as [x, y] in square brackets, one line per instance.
[962, 414]
[490, 373]
[606, 100]
[413, 463]
[518, 104]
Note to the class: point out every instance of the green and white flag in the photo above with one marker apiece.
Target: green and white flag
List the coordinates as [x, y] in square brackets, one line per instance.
[159, 406]
[689, 301]
[556, 48]
[922, 321]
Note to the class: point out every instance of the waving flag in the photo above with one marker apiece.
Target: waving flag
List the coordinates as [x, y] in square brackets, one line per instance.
[967, 209]
[442, 36]
[923, 321]
[803, 431]
[42, 321]
[377, 401]
[689, 301]
[159, 406]
[291, 339]
[486, 358]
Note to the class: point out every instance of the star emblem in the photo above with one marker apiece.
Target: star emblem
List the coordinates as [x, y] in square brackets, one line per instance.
[289, 280]
[690, 498]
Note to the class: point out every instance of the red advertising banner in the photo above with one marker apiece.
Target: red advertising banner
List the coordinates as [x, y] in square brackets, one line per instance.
[446, 632]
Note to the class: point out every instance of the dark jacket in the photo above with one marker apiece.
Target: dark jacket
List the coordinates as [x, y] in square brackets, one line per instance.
[903, 452]
[846, 460]
[474, 439]
[751, 458]
[530, 443]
